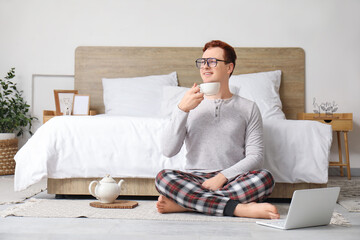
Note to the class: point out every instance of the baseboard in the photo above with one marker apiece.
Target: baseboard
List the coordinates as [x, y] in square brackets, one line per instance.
[335, 171]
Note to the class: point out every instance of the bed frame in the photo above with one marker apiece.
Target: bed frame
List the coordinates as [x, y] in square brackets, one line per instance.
[94, 63]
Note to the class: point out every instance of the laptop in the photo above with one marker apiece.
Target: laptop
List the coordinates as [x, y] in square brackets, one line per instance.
[308, 208]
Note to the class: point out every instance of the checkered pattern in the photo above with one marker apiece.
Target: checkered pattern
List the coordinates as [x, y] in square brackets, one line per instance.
[186, 189]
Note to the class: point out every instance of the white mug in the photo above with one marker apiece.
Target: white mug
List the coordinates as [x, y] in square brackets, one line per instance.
[210, 88]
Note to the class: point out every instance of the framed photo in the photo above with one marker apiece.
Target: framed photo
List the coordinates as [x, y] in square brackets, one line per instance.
[81, 104]
[64, 101]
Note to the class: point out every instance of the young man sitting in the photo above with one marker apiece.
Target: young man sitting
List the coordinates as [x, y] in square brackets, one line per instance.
[224, 141]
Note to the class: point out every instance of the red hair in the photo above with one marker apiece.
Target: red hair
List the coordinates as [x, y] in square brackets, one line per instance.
[229, 52]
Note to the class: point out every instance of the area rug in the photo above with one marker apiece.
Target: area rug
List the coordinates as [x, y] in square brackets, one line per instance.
[145, 211]
[350, 192]
[9, 196]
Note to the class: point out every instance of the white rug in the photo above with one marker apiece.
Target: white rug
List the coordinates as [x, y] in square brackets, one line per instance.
[9, 196]
[145, 211]
[81, 208]
[350, 192]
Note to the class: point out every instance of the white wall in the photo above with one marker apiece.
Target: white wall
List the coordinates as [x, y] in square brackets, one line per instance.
[40, 36]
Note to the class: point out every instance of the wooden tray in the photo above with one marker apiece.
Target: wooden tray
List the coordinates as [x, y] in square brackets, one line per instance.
[117, 204]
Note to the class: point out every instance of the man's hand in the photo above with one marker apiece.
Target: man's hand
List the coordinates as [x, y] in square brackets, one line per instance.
[215, 183]
[191, 99]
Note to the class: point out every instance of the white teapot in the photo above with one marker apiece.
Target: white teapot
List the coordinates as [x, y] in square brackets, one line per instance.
[107, 190]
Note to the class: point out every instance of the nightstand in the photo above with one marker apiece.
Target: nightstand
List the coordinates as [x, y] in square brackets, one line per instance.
[48, 114]
[341, 123]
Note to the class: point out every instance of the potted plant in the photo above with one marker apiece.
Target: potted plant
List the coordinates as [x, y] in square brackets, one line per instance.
[14, 111]
[14, 117]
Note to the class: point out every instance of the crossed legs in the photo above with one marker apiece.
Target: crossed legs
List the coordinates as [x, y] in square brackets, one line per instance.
[182, 192]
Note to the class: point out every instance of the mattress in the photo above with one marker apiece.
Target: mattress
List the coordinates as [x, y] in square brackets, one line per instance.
[93, 146]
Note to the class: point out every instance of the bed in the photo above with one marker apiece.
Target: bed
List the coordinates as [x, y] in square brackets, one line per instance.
[92, 64]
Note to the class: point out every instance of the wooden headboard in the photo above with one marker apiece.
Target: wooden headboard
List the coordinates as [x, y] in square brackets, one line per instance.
[94, 63]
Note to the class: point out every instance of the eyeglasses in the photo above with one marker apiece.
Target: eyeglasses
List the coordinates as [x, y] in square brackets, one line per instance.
[211, 62]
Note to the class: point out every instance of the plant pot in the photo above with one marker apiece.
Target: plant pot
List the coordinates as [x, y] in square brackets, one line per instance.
[8, 149]
[6, 136]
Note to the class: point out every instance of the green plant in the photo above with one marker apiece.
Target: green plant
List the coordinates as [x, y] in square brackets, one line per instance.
[14, 111]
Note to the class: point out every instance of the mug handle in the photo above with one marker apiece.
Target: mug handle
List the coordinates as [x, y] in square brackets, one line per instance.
[90, 188]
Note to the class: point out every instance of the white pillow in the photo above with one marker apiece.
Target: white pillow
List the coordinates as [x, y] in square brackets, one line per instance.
[171, 97]
[263, 89]
[138, 96]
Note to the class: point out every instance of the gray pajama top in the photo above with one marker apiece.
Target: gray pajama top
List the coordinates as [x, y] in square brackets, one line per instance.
[221, 134]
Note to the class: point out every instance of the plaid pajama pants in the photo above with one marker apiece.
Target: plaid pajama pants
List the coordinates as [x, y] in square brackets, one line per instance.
[186, 190]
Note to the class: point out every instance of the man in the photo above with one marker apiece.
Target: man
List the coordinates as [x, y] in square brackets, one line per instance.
[223, 137]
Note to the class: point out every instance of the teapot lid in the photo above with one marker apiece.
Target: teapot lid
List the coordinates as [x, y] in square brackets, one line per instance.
[108, 179]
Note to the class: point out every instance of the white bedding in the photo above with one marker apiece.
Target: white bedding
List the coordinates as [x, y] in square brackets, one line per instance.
[92, 146]
[297, 151]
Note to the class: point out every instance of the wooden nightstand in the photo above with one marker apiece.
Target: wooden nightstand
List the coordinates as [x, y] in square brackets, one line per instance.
[340, 122]
[48, 114]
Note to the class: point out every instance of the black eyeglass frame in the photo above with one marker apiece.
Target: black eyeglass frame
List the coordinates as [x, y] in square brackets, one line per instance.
[199, 65]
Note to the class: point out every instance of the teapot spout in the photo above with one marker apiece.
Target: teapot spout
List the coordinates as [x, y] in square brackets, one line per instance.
[120, 183]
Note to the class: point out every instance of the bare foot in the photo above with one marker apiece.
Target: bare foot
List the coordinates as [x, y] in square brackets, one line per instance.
[257, 210]
[166, 205]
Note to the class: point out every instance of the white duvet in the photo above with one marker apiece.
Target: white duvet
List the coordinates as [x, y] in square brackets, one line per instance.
[92, 146]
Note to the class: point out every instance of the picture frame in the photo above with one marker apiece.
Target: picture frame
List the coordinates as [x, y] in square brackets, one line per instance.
[81, 105]
[64, 101]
